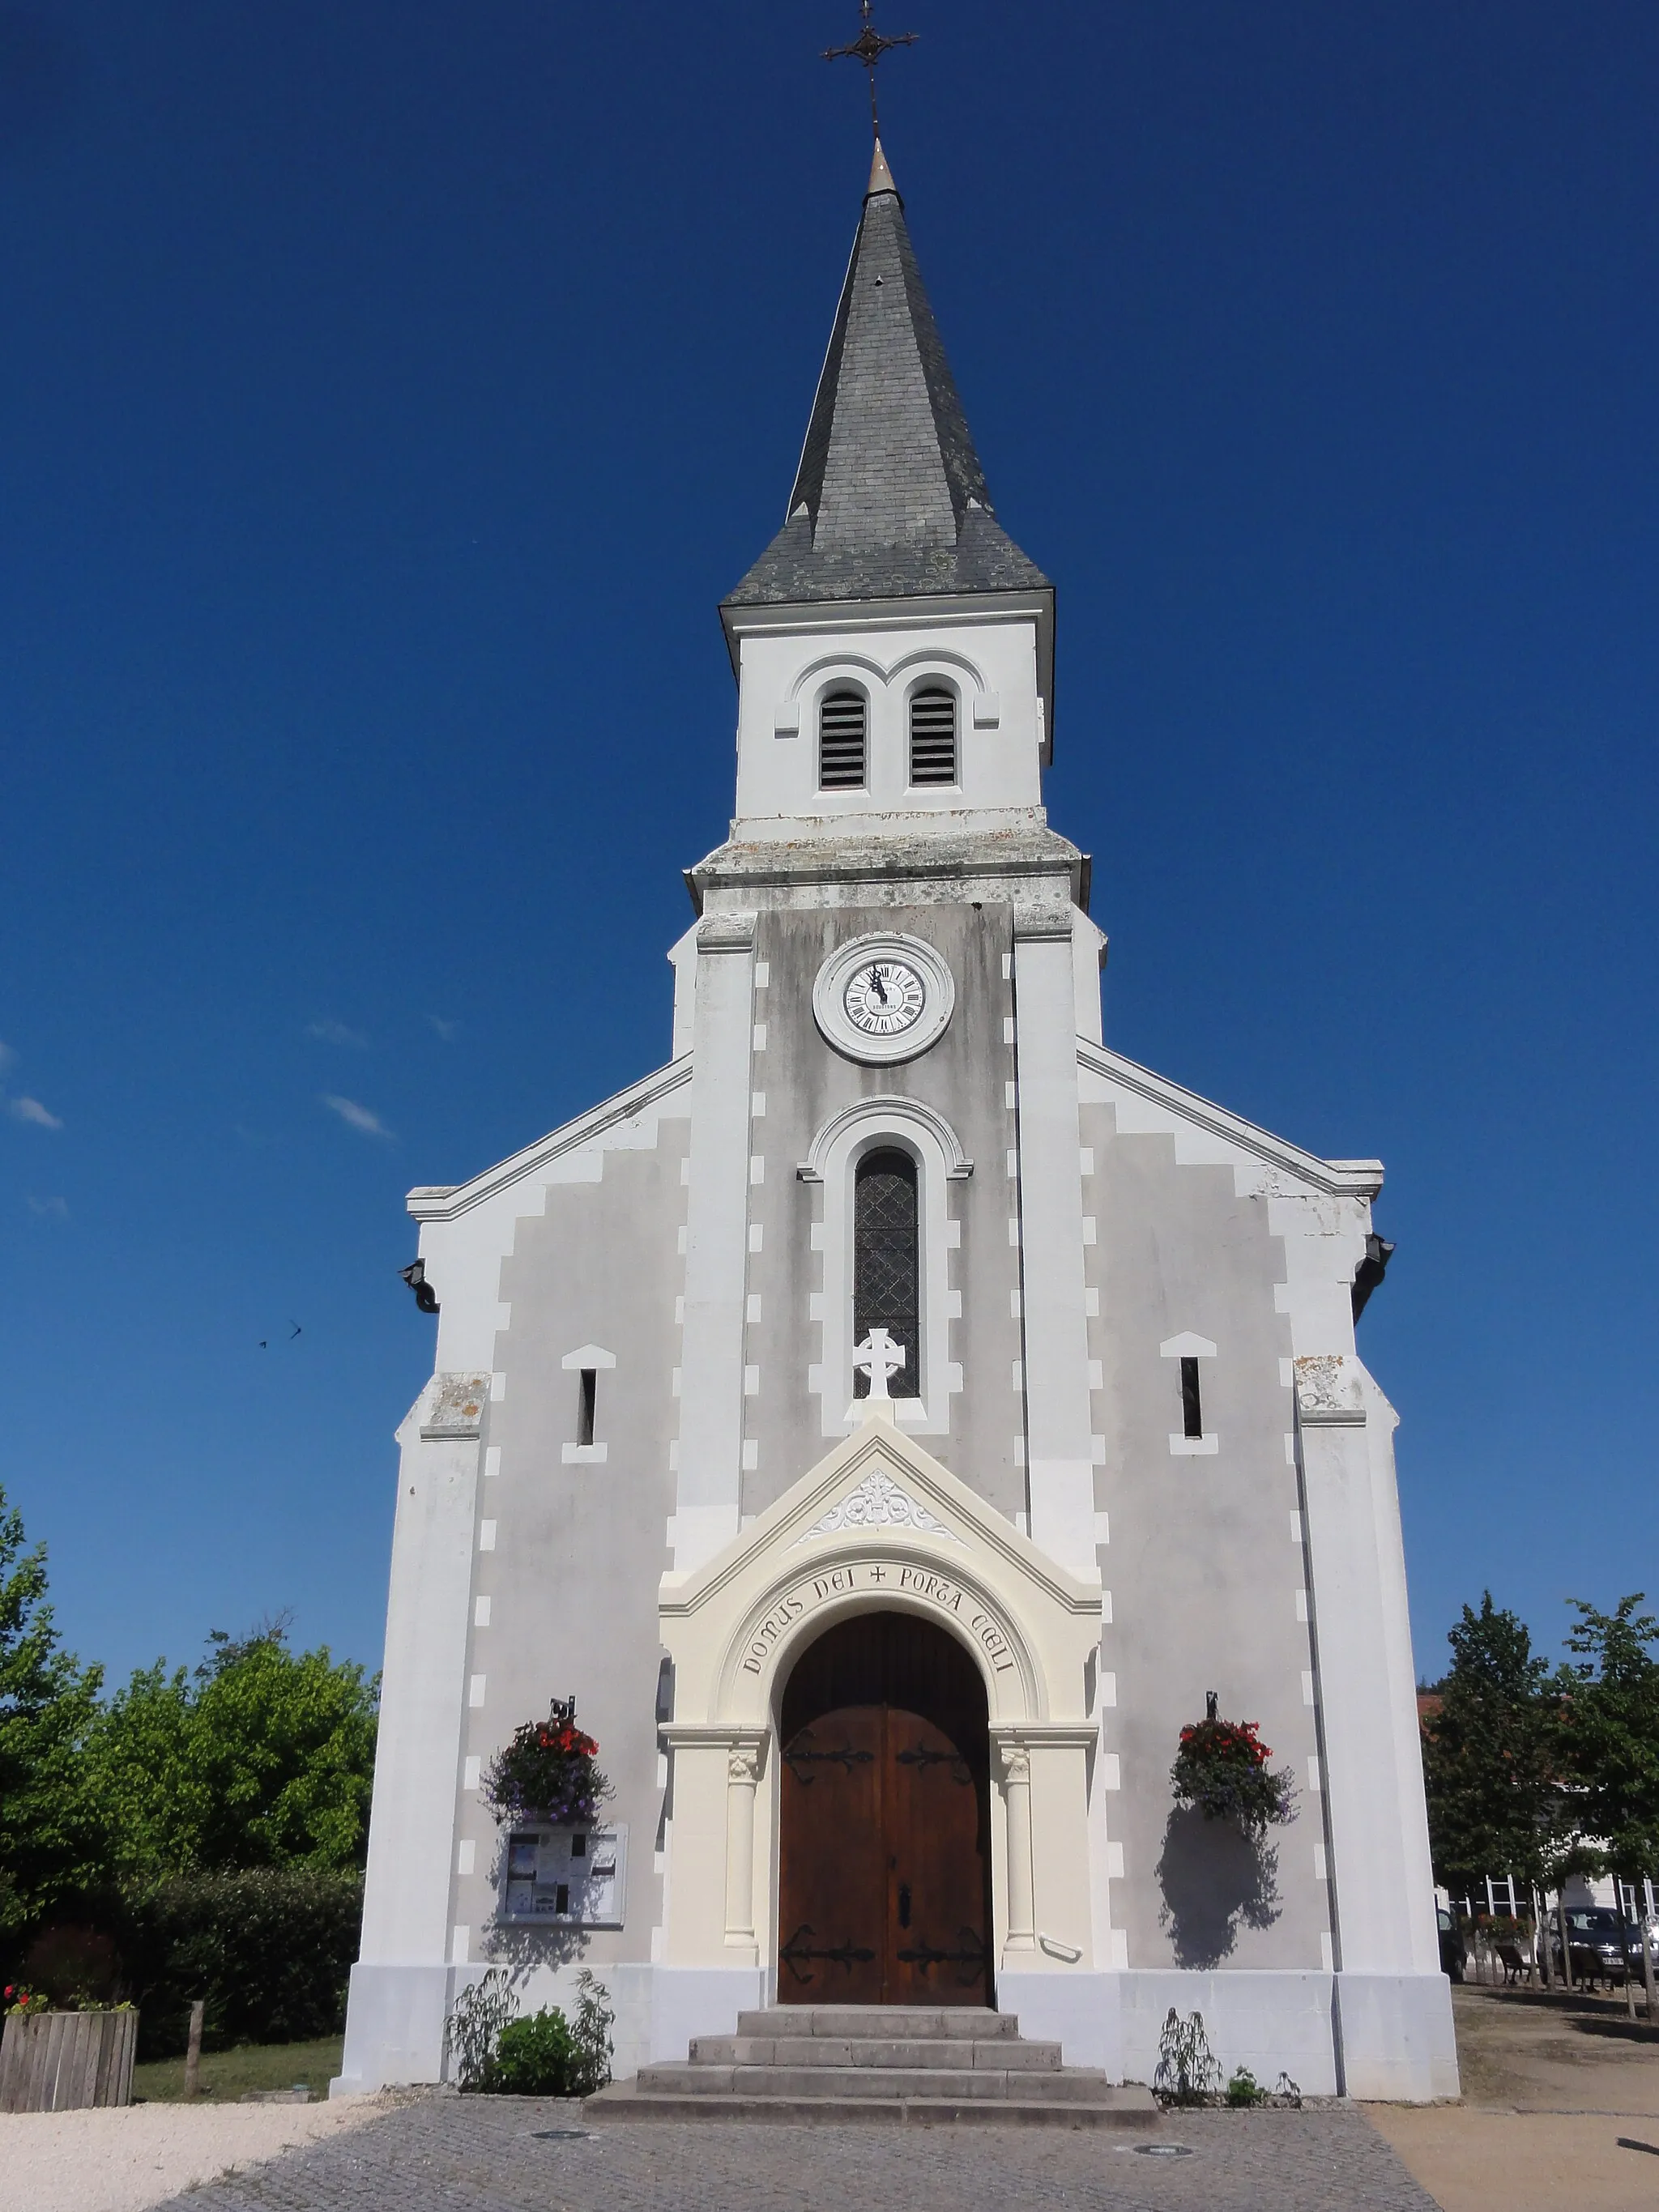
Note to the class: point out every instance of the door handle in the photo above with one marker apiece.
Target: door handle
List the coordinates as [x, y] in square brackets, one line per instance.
[904, 1904]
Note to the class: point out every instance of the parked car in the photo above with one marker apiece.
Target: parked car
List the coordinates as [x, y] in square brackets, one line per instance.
[1604, 1947]
[1451, 1944]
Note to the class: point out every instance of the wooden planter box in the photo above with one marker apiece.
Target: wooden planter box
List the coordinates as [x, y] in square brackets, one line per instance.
[57, 2061]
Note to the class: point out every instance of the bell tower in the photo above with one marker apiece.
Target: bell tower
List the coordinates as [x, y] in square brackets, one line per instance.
[894, 648]
[891, 967]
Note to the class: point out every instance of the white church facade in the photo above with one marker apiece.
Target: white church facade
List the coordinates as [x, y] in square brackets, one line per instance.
[888, 1686]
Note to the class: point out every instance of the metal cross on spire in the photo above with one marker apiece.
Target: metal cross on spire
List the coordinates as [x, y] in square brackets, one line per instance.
[868, 47]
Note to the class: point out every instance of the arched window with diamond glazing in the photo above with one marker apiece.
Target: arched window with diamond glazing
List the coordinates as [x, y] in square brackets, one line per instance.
[886, 1270]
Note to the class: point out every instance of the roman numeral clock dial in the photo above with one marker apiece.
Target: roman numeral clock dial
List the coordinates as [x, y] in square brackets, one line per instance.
[884, 998]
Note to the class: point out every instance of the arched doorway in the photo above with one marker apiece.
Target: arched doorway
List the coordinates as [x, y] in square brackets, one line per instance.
[884, 1833]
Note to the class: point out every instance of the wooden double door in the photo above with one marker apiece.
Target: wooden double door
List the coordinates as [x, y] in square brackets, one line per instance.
[884, 1881]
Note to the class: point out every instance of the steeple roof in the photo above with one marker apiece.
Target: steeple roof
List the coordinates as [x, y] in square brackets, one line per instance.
[889, 500]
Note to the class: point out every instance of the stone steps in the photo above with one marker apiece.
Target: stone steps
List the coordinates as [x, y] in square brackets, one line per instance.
[1007, 2053]
[903, 2023]
[1065, 2085]
[875, 2064]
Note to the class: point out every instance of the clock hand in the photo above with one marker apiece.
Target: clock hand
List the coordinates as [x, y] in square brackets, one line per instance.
[877, 984]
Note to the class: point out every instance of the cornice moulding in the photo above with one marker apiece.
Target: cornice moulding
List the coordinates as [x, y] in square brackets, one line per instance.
[447, 1202]
[1340, 1178]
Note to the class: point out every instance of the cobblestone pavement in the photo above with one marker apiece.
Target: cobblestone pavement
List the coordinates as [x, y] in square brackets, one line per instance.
[442, 2153]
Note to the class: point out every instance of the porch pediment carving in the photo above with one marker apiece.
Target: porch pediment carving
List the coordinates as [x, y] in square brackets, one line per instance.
[877, 1503]
[878, 1524]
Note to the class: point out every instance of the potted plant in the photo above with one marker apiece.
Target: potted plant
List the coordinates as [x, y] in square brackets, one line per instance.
[548, 1771]
[58, 2061]
[1222, 1767]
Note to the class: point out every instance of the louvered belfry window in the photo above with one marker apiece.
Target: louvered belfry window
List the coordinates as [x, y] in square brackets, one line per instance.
[886, 1270]
[842, 723]
[933, 736]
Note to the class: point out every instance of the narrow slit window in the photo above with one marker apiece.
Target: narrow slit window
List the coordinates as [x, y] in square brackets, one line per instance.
[1192, 1405]
[886, 1263]
[933, 736]
[843, 730]
[587, 1408]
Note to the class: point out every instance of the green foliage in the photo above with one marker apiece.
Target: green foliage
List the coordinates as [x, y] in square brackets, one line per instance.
[1488, 1756]
[474, 2027]
[592, 2034]
[50, 1833]
[542, 2054]
[1243, 2090]
[270, 1949]
[535, 2057]
[1186, 2072]
[264, 1757]
[1608, 1735]
[209, 1825]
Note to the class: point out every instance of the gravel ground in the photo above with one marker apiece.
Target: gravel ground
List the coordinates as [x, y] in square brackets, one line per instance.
[445, 2154]
[138, 2155]
[1560, 2088]
[1471, 2161]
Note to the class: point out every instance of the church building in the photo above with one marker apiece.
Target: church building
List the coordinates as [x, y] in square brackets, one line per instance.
[898, 1415]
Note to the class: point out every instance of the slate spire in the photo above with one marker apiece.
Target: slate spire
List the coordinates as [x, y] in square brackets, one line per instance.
[889, 500]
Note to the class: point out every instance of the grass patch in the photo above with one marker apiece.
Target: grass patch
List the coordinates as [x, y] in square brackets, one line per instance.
[225, 2073]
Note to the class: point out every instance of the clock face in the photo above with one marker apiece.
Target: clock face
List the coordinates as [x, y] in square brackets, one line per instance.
[883, 997]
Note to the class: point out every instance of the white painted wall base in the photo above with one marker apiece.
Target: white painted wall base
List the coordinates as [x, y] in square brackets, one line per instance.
[1398, 2043]
[1081, 2011]
[629, 1989]
[1397, 2039]
[687, 2001]
[395, 2021]
[395, 2025]
[1270, 2022]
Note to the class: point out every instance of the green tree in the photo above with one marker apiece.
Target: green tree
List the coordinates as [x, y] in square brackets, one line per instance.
[51, 1835]
[263, 1757]
[1608, 1732]
[1486, 1755]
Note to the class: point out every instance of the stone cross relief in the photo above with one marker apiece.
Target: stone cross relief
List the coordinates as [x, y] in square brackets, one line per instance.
[878, 1356]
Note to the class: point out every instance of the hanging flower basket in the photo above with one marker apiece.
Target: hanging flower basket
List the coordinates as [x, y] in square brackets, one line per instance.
[547, 1772]
[1222, 1768]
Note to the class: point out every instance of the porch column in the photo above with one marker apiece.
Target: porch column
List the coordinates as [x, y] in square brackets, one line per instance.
[1017, 1798]
[743, 1771]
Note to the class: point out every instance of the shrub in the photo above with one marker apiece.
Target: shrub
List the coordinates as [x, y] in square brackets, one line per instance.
[76, 1966]
[475, 2022]
[1243, 2089]
[535, 2057]
[544, 2054]
[268, 1950]
[592, 2034]
[1186, 2072]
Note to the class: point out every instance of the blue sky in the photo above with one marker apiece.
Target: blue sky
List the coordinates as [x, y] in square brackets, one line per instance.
[391, 392]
